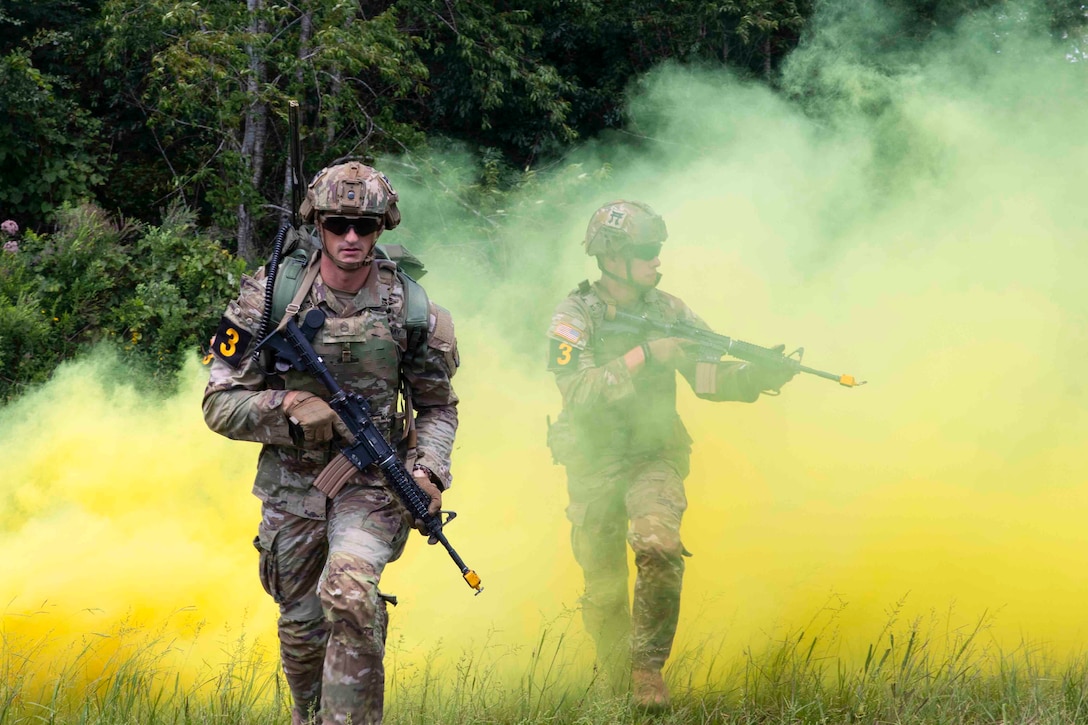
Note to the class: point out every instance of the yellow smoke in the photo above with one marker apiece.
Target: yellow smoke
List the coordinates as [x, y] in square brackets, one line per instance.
[935, 248]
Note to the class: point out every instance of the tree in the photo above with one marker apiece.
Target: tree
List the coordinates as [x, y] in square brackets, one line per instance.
[602, 47]
[50, 149]
[490, 81]
[220, 76]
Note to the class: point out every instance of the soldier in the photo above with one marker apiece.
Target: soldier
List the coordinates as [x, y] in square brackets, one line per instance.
[623, 445]
[321, 558]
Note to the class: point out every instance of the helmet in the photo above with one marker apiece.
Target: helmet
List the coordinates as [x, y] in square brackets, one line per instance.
[620, 224]
[351, 189]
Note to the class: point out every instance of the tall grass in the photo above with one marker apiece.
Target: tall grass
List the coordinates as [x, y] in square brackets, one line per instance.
[910, 673]
[135, 676]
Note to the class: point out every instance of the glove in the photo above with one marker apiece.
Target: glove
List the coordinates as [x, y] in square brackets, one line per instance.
[666, 351]
[422, 477]
[771, 377]
[312, 421]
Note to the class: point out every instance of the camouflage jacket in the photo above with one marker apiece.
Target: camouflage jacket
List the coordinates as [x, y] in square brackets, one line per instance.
[606, 409]
[366, 347]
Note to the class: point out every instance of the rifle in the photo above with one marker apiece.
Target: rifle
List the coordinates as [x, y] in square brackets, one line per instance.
[713, 346]
[292, 344]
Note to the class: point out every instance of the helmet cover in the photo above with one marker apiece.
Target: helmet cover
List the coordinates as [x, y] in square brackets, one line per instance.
[621, 224]
[351, 189]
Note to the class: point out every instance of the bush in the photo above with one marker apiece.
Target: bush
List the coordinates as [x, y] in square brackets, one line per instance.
[154, 293]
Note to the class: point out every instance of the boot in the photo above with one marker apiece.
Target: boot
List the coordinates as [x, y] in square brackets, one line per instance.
[648, 689]
[297, 718]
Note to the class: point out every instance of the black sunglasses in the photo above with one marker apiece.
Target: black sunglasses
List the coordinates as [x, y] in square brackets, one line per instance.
[339, 225]
[645, 252]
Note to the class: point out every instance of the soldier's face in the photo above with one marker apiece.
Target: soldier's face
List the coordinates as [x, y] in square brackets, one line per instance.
[349, 240]
[643, 272]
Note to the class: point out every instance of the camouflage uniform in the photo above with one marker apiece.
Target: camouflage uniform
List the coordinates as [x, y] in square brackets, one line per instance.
[322, 559]
[626, 453]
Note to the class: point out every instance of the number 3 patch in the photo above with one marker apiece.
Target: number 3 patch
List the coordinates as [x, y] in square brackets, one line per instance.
[562, 355]
[230, 342]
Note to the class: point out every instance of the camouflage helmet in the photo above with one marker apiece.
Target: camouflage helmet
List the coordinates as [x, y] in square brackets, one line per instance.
[621, 224]
[352, 189]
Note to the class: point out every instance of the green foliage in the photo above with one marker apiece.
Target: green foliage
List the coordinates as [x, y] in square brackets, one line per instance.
[490, 79]
[220, 74]
[22, 20]
[602, 47]
[139, 103]
[25, 353]
[153, 292]
[48, 145]
[179, 293]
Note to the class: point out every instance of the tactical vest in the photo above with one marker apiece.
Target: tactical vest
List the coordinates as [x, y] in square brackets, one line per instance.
[340, 343]
[648, 420]
[417, 305]
[363, 356]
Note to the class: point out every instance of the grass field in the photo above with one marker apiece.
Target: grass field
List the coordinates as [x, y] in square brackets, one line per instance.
[910, 674]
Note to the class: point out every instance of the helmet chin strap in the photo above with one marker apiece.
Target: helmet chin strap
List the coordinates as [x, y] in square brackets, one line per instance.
[627, 280]
[351, 267]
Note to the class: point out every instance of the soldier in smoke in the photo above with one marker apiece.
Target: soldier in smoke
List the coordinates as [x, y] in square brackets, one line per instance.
[623, 445]
[321, 557]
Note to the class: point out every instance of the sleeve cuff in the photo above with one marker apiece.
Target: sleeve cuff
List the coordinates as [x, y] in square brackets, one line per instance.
[440, 473]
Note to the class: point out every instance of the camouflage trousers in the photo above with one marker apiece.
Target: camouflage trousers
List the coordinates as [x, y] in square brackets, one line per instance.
[638, 504]
[324, 575]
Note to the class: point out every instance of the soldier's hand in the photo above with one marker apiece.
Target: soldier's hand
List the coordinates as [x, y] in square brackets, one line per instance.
[422, 477]
[311, 420]
[667, 351]
[770, 376]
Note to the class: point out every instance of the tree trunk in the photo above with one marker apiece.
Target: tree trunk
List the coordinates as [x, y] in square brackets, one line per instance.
[334, 93]
[255, 131]
[305, 31]
[330, 120]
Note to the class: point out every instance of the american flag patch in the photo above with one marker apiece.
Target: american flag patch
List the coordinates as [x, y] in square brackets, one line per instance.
[568, 333]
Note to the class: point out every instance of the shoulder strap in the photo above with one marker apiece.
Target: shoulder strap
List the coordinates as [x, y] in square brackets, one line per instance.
[417, 305]
[292, 283]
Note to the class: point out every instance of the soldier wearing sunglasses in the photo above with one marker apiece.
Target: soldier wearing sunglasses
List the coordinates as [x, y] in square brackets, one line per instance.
[625, 448]
[321, 557]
